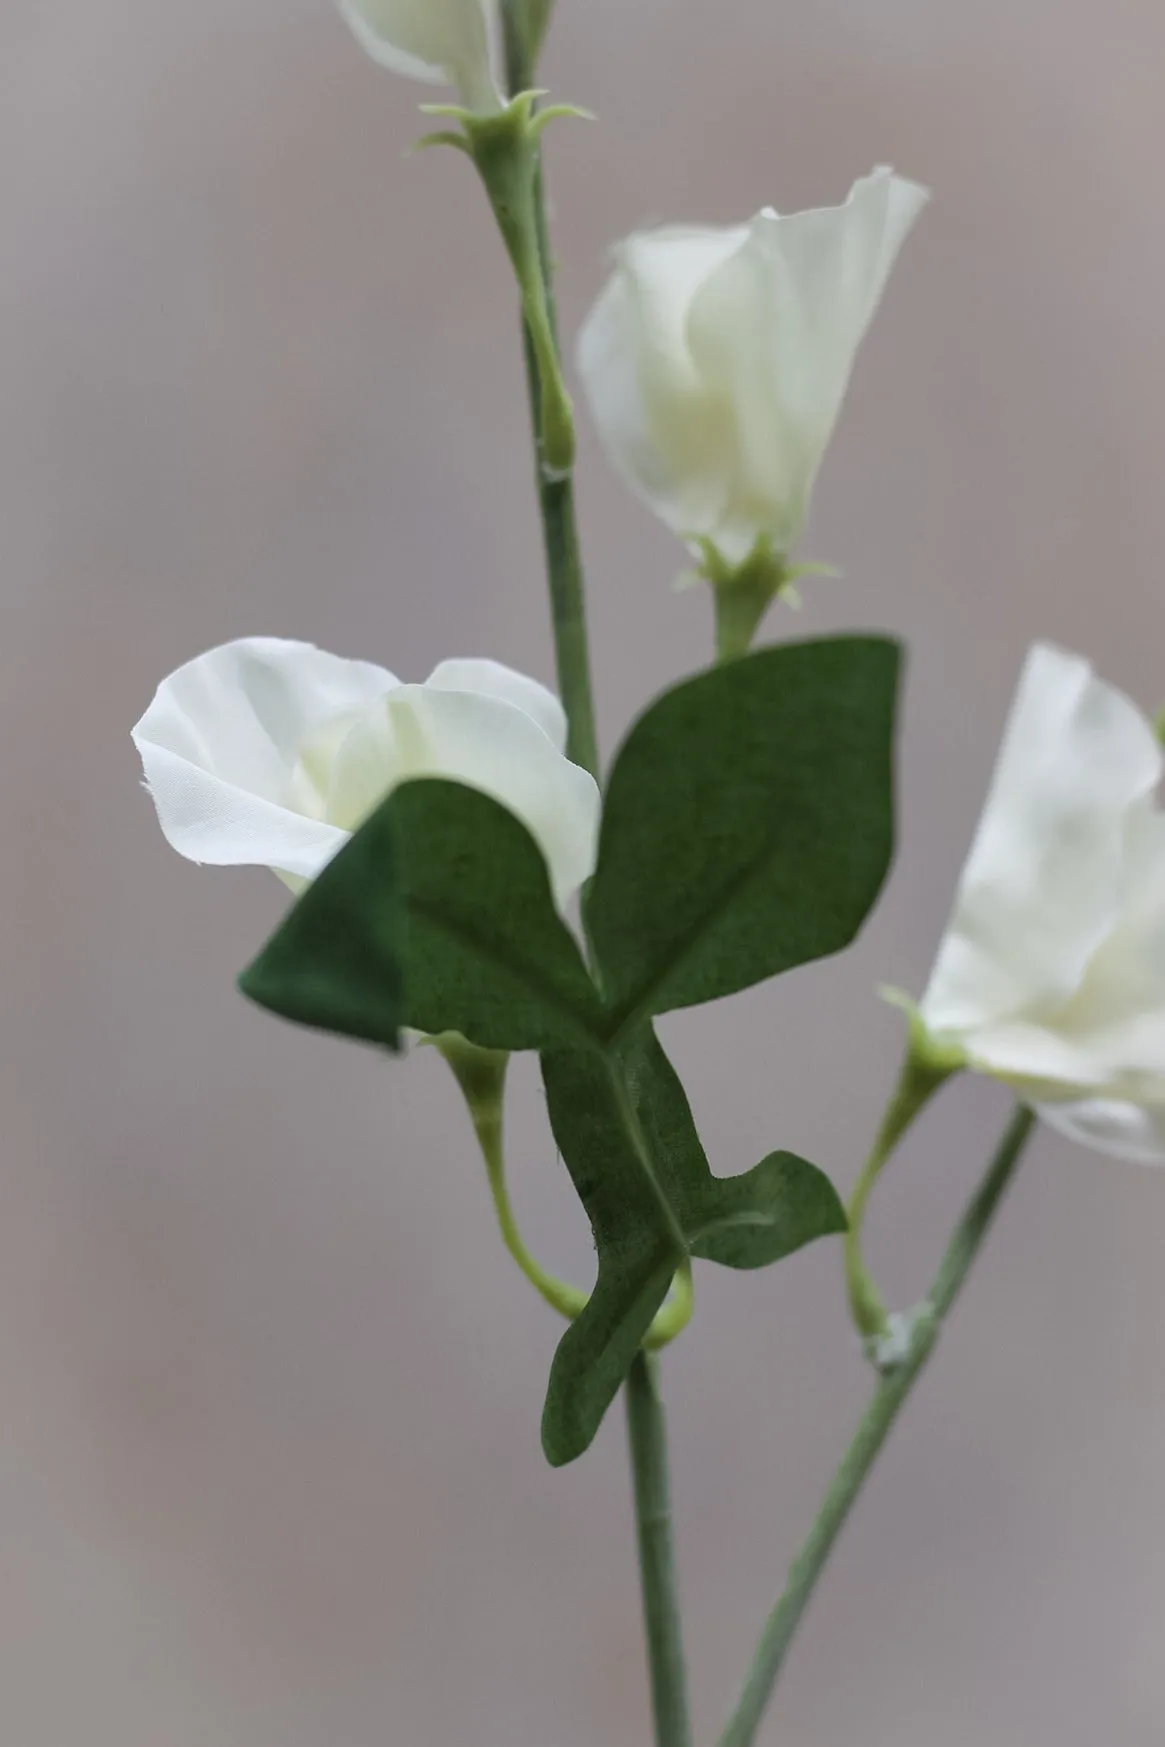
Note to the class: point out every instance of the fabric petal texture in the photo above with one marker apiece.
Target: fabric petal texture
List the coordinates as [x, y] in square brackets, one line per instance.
[665, 430]
[219, 745]
[1126, 1131]
[272, 753]
[1051, 973]
[442, 42]
[715, 361]
[490, 679]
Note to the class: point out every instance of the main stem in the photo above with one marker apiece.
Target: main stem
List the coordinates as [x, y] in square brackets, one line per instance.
[556, 490]
[888, 1400]
[647, 1433]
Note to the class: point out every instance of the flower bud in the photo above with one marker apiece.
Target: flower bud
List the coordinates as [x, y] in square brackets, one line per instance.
[443, 42]
[716, 360]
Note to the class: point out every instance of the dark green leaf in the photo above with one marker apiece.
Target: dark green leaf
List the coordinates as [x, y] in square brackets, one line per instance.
[780, 1205]
[437, 915]
[748, 824]
[648, 1217]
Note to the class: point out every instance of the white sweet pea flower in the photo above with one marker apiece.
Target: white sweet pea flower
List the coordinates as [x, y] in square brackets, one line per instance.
[272, 753]
[716, 360]
[1051, 975]
[443, 42]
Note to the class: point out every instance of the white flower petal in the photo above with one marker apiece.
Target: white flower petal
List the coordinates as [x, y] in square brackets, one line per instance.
[492, 679]
[662, 429]
[1126, 1131]
[273, 753]
[1118, 1013]
[715, 360]
[776, 328]
[1044, 881]
[453, 42]
[219, 745]
[486, 743]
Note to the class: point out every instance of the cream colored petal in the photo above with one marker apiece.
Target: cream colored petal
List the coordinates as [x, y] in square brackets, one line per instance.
[1044, 882]
[1126, 1131]
[454, 42]
[486, 743]
[219, 745]
[1118, 1013]
[775, 329]
[491, 679]
[662, 430]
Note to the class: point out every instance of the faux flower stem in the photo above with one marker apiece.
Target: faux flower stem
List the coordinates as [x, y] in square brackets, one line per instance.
[742, 594]
[568, 1300]
[564, 1298]
[889, 1397]
[481, 1075]
[647, 1435]
[674, 1315]
[506, 150]
[738, 616]
[924, 1070]
[555, 491]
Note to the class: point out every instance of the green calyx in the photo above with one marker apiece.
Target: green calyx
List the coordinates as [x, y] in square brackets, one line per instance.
[506, 149]
[744, 592]
[1159, 726]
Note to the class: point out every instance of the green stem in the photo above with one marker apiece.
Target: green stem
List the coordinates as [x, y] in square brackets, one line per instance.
[674, 1314]
[555, 487]
[924, 1070]
[566, 1299]
[647, 1435]
[888, 1400]
[742, 594]
[481, 1075]
[739, 612]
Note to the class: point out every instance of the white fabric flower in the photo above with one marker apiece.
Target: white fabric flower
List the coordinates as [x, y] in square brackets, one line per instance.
[716, 360]
[1051, 974]
[443, 42]
[272, 753]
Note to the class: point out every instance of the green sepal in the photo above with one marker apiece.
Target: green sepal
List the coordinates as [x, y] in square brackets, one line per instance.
[748, 824]
[650, 1209]
[437, 915]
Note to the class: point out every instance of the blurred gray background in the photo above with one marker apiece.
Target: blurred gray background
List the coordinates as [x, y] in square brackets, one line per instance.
[269, 1464]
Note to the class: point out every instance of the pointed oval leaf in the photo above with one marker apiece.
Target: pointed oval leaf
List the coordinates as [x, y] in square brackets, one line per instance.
[438, 915]
[748, 824]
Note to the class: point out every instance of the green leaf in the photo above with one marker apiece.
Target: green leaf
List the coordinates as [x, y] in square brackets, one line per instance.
[439, 915]
[748, 824]
[779, 1206]
[652, 1200]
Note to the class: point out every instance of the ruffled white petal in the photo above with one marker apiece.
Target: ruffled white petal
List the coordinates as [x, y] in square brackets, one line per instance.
[486, 743]
[775, 330]
[663, 429]
[219, 746]
[715, 360]
[1126, 1131]
[273, 753]
[451, 42]
[1118, 1013]
[1044, 882]
[492, 679]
